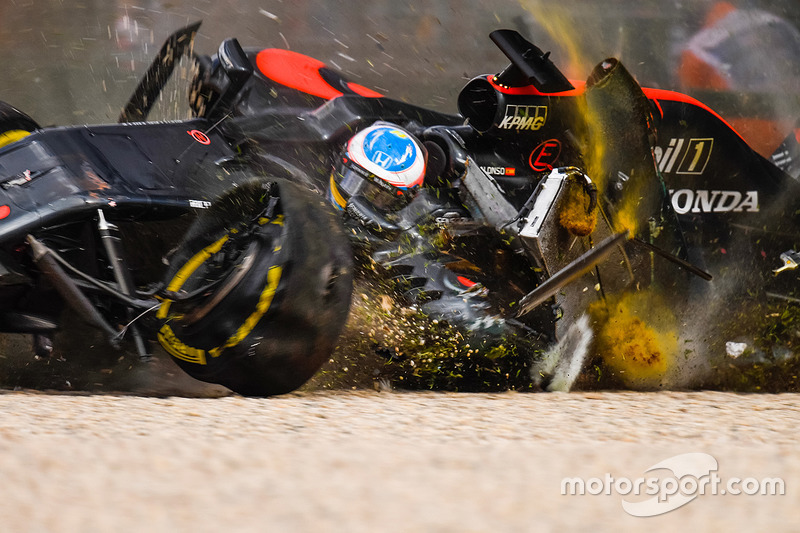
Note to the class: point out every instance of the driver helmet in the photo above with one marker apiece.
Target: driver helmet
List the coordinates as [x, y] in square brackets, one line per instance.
[383, 163]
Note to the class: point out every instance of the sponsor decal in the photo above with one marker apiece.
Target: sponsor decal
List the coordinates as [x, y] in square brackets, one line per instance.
[450, 221]
[700, 201]
[545, 155]
[524, 117]
[782, 159]
[622, 179]
[199, 204]
[20, 179]
[500, 171]
[684, 156]
[199, 136]
[450, 218]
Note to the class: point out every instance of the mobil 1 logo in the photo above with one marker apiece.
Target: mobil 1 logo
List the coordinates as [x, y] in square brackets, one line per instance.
[685, 156]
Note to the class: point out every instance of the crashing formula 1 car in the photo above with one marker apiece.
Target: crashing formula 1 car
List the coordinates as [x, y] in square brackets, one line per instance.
[542, 213]
[166, 231]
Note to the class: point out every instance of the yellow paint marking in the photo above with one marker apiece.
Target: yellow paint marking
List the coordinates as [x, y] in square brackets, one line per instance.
[337, 196]
[12, 136]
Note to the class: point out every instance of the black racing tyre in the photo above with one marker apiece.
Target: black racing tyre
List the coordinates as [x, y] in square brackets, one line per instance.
[260, 290]
[14, 124]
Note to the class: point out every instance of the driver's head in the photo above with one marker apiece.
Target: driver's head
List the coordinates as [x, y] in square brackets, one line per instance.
[382, 163]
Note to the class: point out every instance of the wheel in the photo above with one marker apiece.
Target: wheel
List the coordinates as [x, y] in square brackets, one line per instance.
[14, 124]
[261, 289]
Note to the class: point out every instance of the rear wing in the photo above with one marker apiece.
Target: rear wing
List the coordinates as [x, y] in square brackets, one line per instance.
[141, 101]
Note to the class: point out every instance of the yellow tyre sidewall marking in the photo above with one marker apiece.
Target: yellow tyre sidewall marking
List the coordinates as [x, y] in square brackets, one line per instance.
[188, 269]
[166, 337]
[174, 346]
[264, 301]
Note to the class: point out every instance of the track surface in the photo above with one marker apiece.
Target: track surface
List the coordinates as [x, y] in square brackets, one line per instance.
[391, 461]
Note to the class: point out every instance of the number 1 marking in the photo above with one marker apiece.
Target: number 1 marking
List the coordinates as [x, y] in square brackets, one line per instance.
[698, 148]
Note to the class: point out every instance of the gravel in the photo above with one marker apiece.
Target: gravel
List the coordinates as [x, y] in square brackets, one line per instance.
[390, 461]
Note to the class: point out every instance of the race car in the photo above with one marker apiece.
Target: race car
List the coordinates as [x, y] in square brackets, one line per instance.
[562, 217]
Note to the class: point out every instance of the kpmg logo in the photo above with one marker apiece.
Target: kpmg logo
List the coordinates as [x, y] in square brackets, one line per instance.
[524, 117]
[671, 484]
